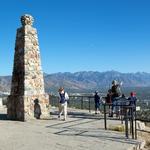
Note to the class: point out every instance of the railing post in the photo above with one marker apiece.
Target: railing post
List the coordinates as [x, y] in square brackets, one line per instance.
[122, 113]
[132, 126]
[105, 121]
[82, 102]
[135, 122]
[89, 104]
[126, 123]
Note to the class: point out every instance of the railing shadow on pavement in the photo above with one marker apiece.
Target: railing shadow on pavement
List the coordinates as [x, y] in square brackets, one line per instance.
[87, 102]
[120, 139]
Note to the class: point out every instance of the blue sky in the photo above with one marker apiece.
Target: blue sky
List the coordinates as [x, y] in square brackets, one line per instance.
[81, 35]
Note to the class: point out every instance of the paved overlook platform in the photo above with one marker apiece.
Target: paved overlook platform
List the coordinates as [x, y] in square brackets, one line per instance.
[82, 131]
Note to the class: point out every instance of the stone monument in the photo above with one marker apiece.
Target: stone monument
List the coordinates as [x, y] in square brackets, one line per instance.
[27, 79]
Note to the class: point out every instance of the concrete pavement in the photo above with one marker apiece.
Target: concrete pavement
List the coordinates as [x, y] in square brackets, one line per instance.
[79, 132]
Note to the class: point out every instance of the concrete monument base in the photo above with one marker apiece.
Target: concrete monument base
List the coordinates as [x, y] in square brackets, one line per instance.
[22, 107]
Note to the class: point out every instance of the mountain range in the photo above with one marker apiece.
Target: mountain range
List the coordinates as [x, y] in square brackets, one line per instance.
[86, 80]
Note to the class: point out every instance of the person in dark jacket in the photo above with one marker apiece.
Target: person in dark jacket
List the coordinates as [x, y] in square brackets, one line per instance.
[108, 101]
[115, 92]
[108, 97]
[63, 98]
[132, 102]
[97, 102]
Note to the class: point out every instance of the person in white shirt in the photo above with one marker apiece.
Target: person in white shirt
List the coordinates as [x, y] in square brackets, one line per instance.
[63, 98]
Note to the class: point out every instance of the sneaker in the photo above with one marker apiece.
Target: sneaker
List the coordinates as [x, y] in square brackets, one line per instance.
[64, 119]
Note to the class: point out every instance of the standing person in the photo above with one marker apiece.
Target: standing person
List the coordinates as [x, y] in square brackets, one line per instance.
[108, 97]
[115, 90]
[63, 98]
[97, 102]
[132, 101]
[108, 101]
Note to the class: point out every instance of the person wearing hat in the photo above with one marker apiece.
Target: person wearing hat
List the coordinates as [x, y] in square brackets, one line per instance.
[132, 101]
[63, 98]
[97, 102]
[108, 101]
[115, 92]
[115, 89]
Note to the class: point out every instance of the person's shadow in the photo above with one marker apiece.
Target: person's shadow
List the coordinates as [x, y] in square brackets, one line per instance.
[37, 109]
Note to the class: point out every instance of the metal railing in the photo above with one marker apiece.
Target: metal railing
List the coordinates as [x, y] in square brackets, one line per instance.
[127, 113]
[78, 102]
[127, 116]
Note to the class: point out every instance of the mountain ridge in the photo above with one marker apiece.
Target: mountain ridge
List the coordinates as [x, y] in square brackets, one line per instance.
[86, 80]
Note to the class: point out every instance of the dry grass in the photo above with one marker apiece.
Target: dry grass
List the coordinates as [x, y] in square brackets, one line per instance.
[119, 128]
